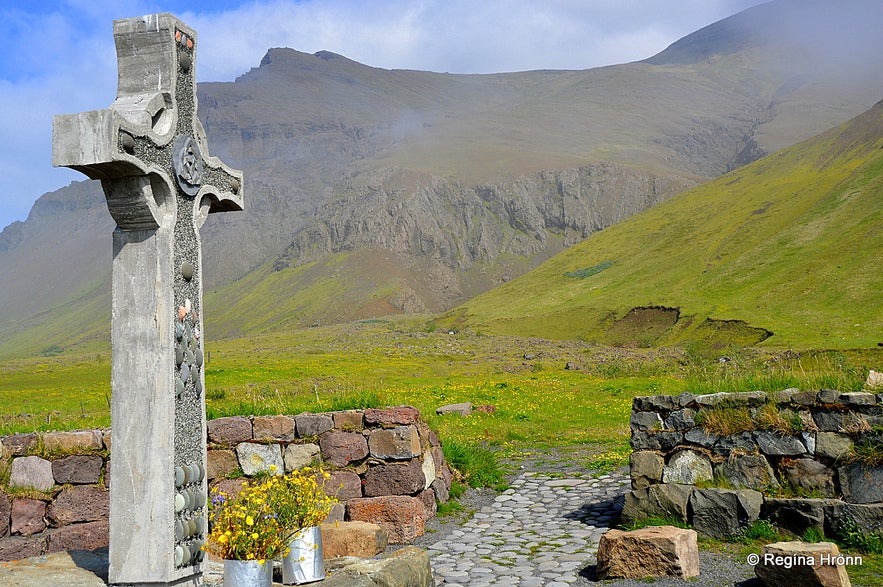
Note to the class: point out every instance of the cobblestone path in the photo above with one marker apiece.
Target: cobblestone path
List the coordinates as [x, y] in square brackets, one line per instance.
[541, 532]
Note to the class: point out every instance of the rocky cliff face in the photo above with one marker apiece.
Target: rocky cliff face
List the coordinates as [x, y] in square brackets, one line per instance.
[458, 226]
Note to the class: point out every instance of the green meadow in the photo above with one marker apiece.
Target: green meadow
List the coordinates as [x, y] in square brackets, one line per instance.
[537, 401]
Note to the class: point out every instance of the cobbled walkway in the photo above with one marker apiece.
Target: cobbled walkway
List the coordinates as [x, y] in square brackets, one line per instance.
[541, 532]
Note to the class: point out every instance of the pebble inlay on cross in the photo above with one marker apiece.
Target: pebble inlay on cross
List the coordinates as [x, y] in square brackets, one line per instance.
[150, 153]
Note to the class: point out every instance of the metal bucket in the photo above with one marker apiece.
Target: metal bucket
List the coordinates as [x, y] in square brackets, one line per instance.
[304, 563]
[239, 573]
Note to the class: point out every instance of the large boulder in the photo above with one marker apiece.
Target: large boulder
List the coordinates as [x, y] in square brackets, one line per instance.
[463, 409]
[644, 421]
[394, 479]
[407, 567]
[77, 469]
[298, 456]
[646, 468]
[664, 441]
[5, 509]
[687, 467]
[221, 463]
[868, 516]
[391, 417]
[85, 503]
[18, 445]
[401, 516]
[401, 442]
[801, 564]
[658, 501]
[721, 513]
[655, 551]
[311, 425]
[343, 448]
[257, 458]
[88, 536]
[748, 472]
[342, 484]
[230, 430]
[741, 443]
[28, 516]
[273, 427]
[70, 442]
[349, 421]
[808, 475]
[17, 548]
[353, 539]
[775, 444]
[32, 473]
[833, 445]
[796, 515]
[860, 483]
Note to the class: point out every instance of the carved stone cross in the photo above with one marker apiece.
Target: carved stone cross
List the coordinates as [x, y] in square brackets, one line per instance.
[150, 153]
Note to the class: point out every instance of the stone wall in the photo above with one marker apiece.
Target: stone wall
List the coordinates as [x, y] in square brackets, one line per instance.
[386, 467]
[721, 461]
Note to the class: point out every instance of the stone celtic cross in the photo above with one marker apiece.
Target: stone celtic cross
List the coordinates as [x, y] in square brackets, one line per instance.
[149, 151]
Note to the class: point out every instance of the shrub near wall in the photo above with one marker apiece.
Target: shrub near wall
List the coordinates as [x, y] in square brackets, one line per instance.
[720, 461]
[386, 467]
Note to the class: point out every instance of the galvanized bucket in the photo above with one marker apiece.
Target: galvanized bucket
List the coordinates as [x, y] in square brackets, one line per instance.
[239, 573]
[304, 563]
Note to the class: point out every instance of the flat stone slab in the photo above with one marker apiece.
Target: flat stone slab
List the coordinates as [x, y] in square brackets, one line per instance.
[78, 568]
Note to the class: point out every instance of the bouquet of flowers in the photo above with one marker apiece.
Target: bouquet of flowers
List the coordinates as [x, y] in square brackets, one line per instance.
[298, 499]
[245, 526]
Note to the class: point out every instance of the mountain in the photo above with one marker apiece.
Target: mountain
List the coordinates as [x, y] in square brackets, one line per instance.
[785, 250]
[373, 191]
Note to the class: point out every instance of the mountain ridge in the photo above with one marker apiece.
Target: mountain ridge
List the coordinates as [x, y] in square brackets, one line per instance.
[339, 157]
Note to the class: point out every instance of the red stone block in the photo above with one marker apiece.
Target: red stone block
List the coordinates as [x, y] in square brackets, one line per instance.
[77, 469]
[16, 548]
[395, 479]
[27, 516]
[231, 430]
[88, 536]
[343, 485]
[398, 416]
[342, 448]
[86, 503]
[400, 516]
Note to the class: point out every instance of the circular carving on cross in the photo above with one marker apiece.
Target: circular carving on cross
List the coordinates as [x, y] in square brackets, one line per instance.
[188, 165]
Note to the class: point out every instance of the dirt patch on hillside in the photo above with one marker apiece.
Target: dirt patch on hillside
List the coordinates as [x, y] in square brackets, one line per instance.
[719, 334]
[643, 326]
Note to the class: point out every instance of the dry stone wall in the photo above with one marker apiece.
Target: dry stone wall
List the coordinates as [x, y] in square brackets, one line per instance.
[720, 461]
[386, 467]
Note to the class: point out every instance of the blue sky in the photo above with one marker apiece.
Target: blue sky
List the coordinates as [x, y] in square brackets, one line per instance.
[58, 56]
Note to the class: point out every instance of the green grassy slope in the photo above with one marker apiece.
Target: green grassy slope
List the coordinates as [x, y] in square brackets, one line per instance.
[792, 243]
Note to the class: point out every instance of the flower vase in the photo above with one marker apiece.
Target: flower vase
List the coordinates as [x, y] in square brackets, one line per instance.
[304, 563]
[245, 573]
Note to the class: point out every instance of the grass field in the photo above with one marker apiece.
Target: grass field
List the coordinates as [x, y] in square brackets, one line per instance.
[538, 402]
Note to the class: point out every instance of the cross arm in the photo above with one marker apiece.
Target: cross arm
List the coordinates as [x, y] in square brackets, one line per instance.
[90, 143]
